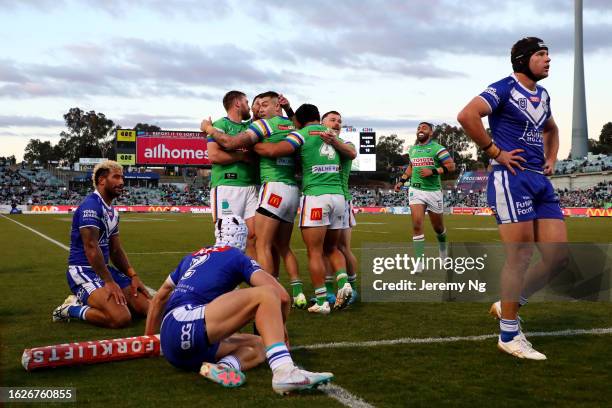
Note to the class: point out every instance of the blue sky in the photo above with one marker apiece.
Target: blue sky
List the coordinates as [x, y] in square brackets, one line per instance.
[382, 64]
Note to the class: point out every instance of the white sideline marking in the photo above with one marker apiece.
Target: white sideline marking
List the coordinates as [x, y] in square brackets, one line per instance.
[343, 396]
[476, 228]
[375, 232]
[59, 244]
[432, 340]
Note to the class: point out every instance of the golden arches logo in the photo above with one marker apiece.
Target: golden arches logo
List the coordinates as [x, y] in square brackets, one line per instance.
[599, 212]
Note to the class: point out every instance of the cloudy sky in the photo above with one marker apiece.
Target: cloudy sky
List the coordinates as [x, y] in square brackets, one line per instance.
[382, 64]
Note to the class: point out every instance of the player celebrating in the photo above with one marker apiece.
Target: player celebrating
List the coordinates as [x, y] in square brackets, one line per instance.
[233, 188]
[523, 152]
[202, 313]
[428, 160]
[278, 199]
[333, 120]
[103, 293]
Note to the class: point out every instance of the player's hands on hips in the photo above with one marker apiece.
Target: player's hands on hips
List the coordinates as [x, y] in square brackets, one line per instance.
[426, 172]
[206, 126]
[549, 167]
[114, 291]
[137, 285]
[511, 159]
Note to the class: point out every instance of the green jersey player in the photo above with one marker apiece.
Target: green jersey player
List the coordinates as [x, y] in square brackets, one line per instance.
[322, 203]
[333, 121]
[428, 160]
[233, 188]
[279, 195]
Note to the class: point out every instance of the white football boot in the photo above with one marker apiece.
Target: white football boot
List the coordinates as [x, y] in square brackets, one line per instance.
[60, 313]
[295, 379]
[322, 309]
[520, 347]
[343, 296]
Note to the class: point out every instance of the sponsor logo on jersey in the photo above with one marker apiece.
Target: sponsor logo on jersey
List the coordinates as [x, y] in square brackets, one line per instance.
[186, 336]
[493, 92]
[326, 168]
[532, 137]
[230, 176]
[534, 99]
[316, 132]
[316, 214]
[284, 161]
[90, 214]
[286, 127]
[422, 161]
[275, 200]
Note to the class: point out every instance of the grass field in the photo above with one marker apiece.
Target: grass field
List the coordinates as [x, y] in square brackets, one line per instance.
[460, 373]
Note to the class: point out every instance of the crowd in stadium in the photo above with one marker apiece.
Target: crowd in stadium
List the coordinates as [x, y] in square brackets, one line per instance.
[30, 186]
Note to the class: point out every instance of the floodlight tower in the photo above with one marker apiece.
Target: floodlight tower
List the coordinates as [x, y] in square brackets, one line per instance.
[580, 134]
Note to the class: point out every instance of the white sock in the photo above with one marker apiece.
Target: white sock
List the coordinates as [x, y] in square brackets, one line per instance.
[278, 356]
[230, 361]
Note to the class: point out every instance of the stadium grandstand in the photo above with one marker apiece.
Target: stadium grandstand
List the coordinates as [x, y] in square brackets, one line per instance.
[33, 185]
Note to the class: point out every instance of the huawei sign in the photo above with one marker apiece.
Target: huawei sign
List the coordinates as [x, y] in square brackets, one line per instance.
[171, 151]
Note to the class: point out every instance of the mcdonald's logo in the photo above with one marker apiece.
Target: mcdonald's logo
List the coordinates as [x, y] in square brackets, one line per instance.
[599, 212]
[275, 200]
[158, 209]
[316, 214]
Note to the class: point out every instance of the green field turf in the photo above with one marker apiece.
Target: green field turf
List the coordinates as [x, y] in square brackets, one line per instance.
[463, 373]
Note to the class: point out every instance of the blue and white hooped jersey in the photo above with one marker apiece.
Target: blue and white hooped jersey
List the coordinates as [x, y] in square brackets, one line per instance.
[93, 212]
[207, 274]
[517, 118]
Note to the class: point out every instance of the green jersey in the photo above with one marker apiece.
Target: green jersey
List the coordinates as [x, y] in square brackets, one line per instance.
[345, 172]
[320, 162]
[234, 174]
[430, 155]
[274, 130]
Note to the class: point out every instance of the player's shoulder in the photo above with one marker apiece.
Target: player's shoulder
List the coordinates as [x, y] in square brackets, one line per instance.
[91, 202]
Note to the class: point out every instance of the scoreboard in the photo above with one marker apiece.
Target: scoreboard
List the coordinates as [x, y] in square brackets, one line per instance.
[364, 140]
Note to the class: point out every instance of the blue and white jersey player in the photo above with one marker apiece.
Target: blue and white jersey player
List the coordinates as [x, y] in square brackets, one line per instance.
[198, 312]
[523, 149]
[103, 294]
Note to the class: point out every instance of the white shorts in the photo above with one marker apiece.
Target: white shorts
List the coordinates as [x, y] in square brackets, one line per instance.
[319, 211]
[433, 200]
[349, 216]
[233, 200]
[280, 199]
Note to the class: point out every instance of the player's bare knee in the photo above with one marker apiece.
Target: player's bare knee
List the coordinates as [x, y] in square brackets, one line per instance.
[120, 320]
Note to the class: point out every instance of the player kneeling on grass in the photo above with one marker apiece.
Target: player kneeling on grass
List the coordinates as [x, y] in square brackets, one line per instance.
[202, 312]
[103, 295]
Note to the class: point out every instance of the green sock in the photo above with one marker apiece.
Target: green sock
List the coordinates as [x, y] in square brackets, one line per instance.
[296, 287]
[442, 240]
[352, 279]
[329, 284]
[341, 277]
[321, 294]
[419, 245]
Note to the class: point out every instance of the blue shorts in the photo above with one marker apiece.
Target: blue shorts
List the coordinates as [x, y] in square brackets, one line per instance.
[183, 338]
[83, 280]
[527, 196]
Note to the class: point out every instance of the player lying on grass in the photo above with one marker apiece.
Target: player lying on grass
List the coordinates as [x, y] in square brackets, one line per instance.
[523, 151]
[428, 160]
[202, 313]
[103, 294]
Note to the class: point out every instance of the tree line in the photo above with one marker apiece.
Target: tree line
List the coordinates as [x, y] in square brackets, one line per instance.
[87, 134]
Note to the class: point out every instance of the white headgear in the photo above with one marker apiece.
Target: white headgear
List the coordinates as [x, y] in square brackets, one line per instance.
[231, 230]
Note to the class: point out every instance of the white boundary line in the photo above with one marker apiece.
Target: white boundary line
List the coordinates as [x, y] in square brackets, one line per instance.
[343, 396]
[59, 244]
[452, 339]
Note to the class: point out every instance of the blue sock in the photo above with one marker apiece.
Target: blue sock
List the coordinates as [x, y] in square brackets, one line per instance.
[78, 312]
[523, 301]
[509, 329]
